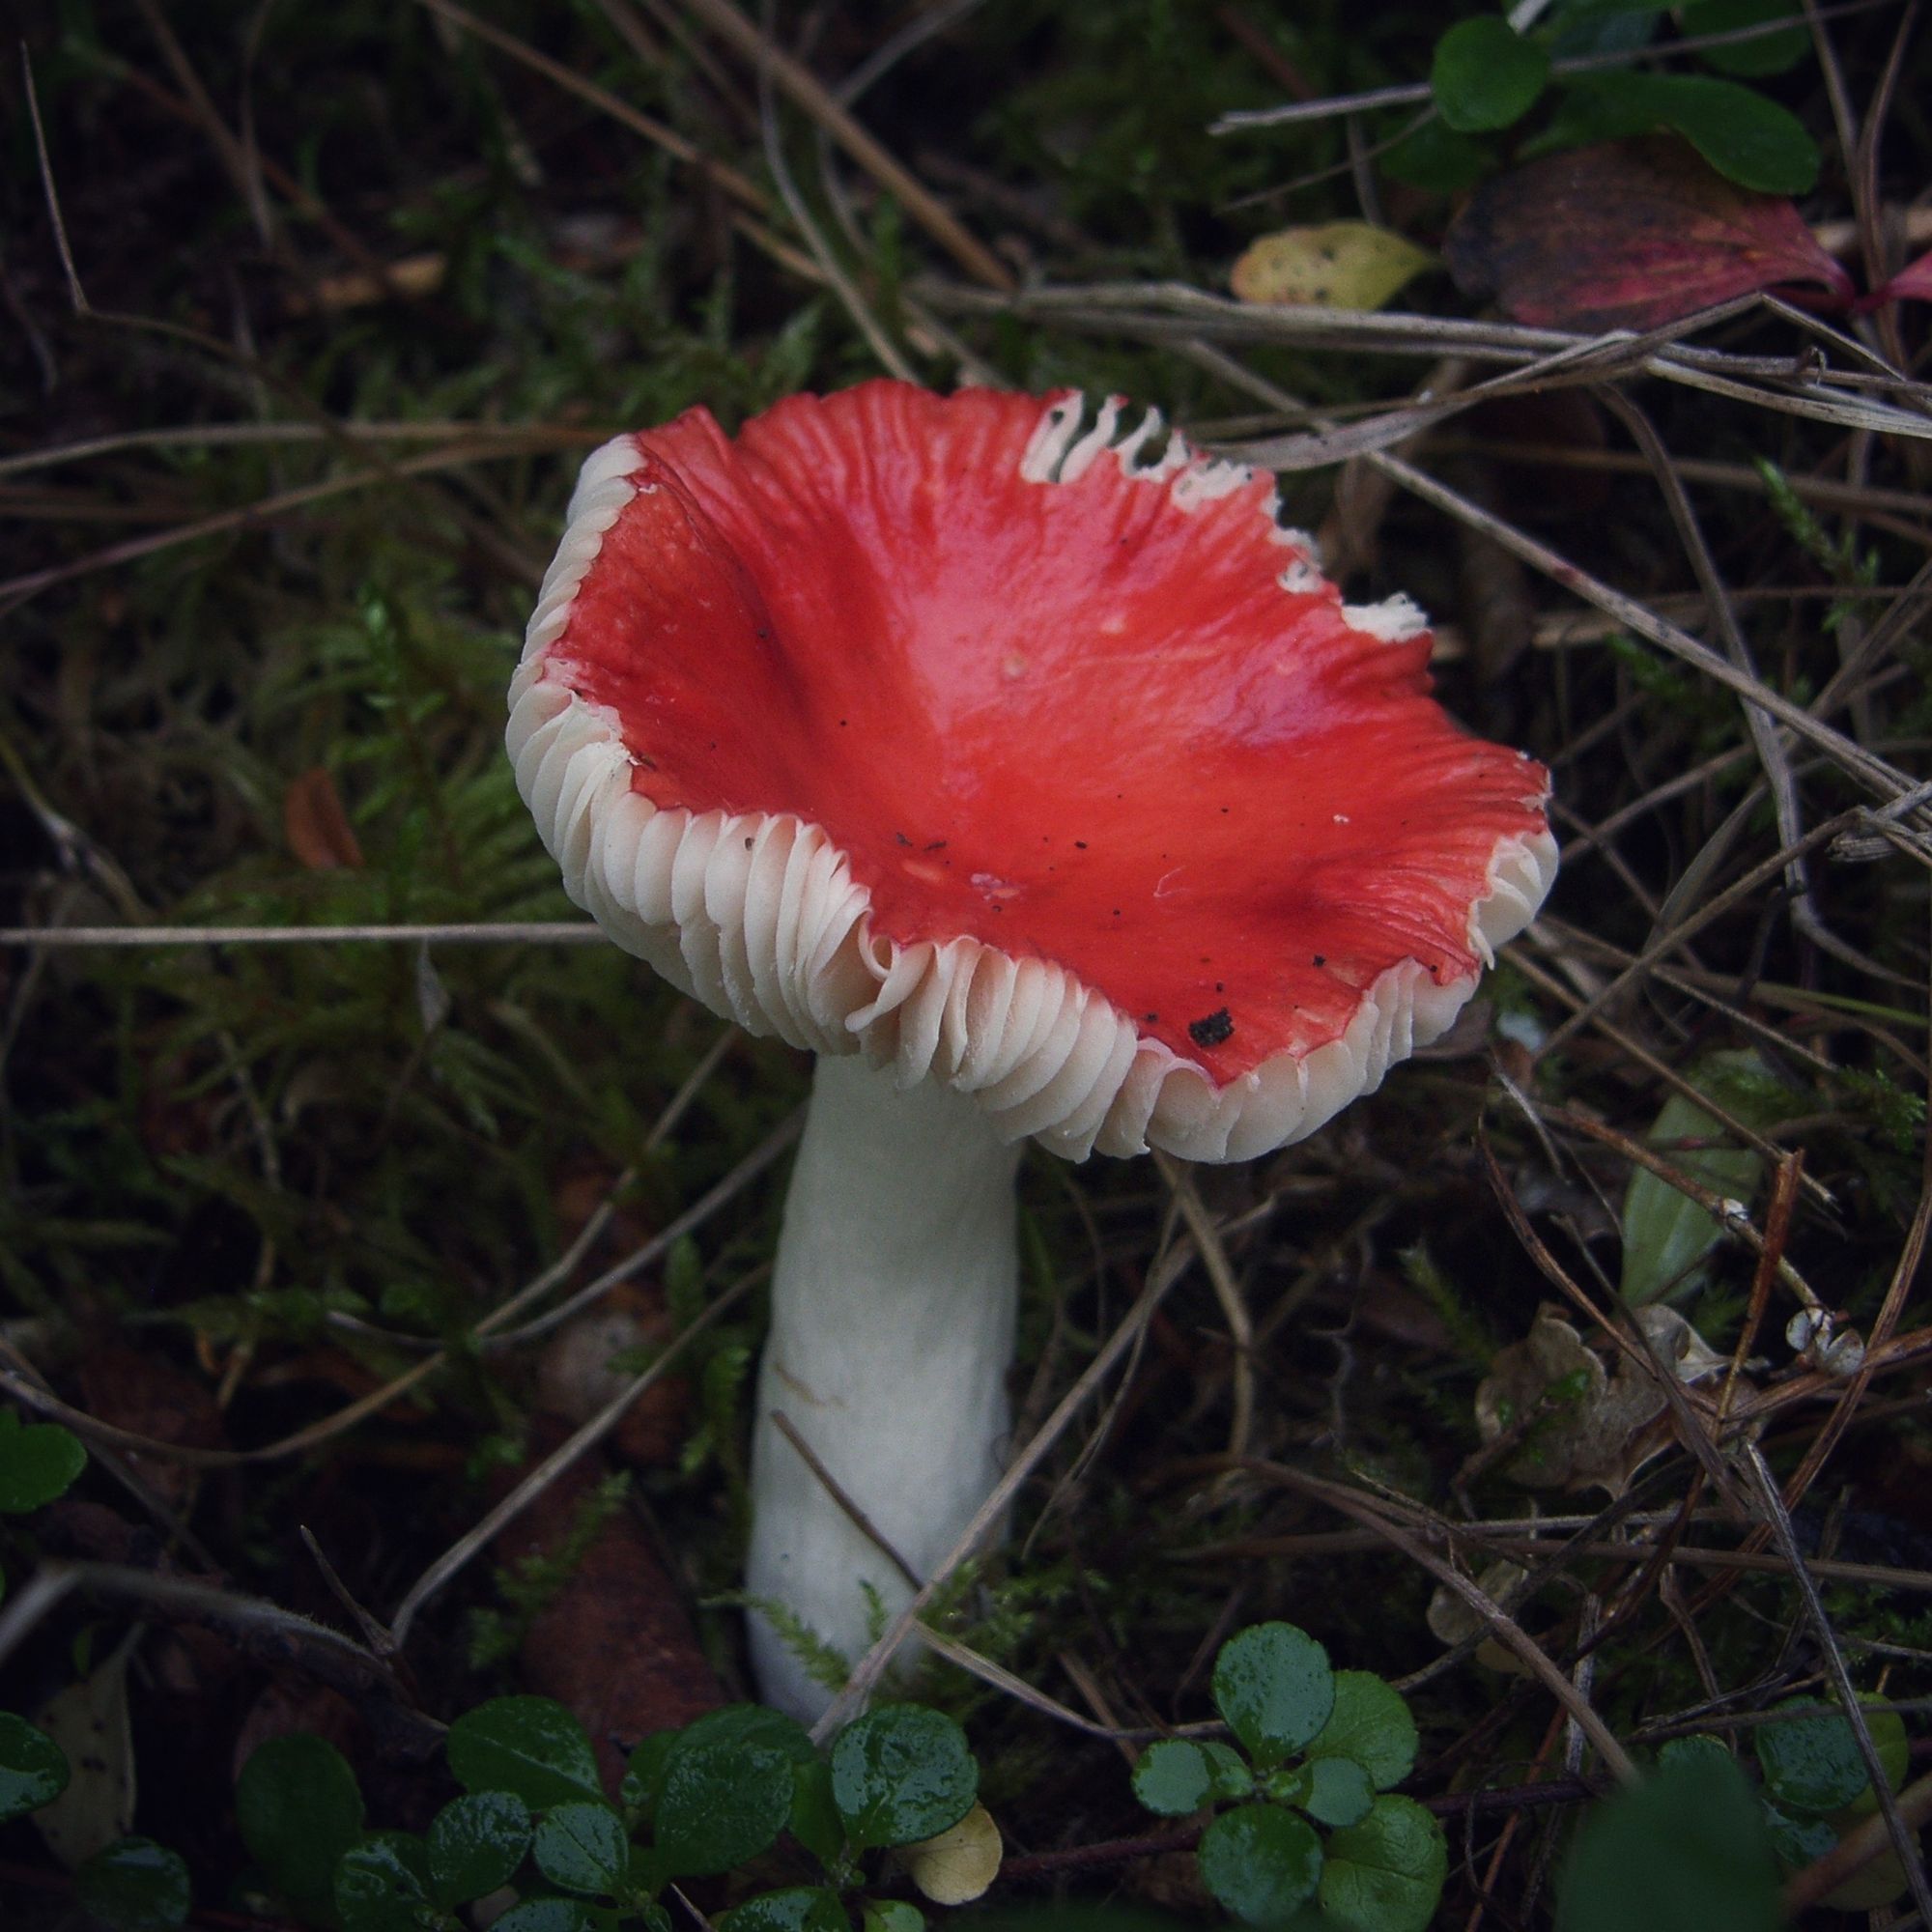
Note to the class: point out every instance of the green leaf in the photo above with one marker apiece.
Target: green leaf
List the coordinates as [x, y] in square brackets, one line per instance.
[1798, 1843]
[1692, 1752]
[643, 1775]
[1814, 1765]
[135, 1886]
[1486, 75]
[582, 1847]
[1586, 27]
[381, 1885]
[1688, 1851]
[1894, 1753]
[751, 1725]
[1232, 1778]
[901, 1773]
[476, 1843]
[1174, 1777]
[890, 1914]
[1371, 1723]
[1338, 1792]
[39, 1461]
[723, 1800]
[1773, 52]
[1385, 1874]
[799, 1908]
[531, 1745]
[1273, 1684]
[545, 1915]
[299, 1807]
[1261, 1862]
[1665, 1233]
[1745, 136]
[33, 1768]
[814, 1819]
[1438, 159]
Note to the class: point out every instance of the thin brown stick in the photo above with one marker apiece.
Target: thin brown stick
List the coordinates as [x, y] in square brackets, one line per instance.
[251, 516]
[807, 90]
[840, 1494]
[1166, 1270]
[475, 933]
[1858, 1848]
[458, 1554]
[1840, 1676]
[1359, 1508]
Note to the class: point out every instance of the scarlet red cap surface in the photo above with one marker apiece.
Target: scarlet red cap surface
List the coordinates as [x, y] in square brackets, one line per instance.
[961, 731]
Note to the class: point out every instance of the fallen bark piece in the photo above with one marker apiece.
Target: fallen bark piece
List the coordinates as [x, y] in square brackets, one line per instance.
[614, 1642]
[1629, 235]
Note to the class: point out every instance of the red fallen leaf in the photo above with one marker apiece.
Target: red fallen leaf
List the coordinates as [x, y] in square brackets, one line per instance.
[316, 825]
[135, 1389]
[1628, 235]
[614, 1643]
[1912, 283]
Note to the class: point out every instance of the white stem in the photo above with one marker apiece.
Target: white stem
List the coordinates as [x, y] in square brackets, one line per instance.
[892, 1330]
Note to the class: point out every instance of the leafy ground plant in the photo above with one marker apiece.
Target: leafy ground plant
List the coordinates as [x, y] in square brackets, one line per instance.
[1313, 1838]
[534, 1832]
[381, 1260]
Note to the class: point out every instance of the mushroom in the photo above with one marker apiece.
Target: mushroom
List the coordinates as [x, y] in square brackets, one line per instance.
[1025, 770]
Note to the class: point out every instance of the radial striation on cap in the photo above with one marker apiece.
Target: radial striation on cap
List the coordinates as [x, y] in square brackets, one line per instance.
[1020, 750]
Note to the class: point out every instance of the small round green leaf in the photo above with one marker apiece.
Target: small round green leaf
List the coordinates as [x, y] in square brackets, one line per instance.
[1811, 1764]
[1773, 52]
[890, 1914]
[1273, 1684]
[1797, 1842]
[33, 1768]
[476, 1842]
[531, 1745]
[545, 1915]
[1262, 1863]
[1370, 1723]
[751, 1725]
[1894, 1752]
[1338, 1792]
[901, 1773]
[1486, 75]
[643, 1775]
[1286, 1783]
[134, 1885]
[1690, 1848]
[39, 1461]
[582, 1847]
[381, 1885]
[799, 1908]
[1695, 1754]
[1436, 159]
[1385, 1873]
[723, 1800]
[814, 1819]
[1747, 137]
[1232, 1778]
[299, 1809]
[1174, 1777]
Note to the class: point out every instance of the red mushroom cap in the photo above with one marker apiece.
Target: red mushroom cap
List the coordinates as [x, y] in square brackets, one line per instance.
[949, 729]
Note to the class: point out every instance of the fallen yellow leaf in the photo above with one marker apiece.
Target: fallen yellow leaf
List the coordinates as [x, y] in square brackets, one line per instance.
[1339, 265]
[960, 1863]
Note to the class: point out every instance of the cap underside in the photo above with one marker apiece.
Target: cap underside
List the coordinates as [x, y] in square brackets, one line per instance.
[951, 730]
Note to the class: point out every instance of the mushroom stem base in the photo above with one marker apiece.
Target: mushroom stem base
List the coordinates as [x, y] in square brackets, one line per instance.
[892, 1329]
